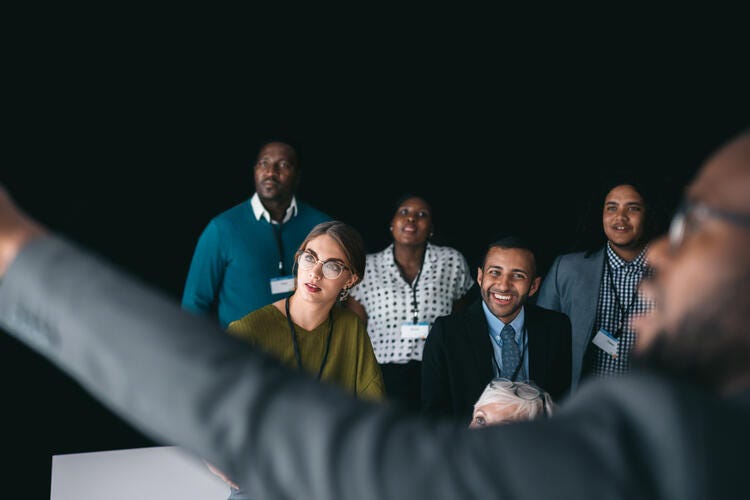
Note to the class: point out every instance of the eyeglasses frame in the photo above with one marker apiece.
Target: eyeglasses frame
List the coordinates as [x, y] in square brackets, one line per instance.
[321, 262]
[688, 209]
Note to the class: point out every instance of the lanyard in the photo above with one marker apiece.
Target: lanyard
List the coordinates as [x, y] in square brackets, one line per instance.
[520, 361]
[623, 312]
[414, 303]
[293, 332]
[280, 244]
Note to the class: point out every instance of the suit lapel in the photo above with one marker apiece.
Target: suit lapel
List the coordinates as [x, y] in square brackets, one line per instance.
[477, 333]
[590, 278]
[536, 350]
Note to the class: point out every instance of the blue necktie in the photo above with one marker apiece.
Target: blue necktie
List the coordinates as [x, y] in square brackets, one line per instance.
[511, 353]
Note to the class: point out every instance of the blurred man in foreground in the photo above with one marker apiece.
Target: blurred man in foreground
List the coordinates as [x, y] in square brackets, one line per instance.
[676, 430]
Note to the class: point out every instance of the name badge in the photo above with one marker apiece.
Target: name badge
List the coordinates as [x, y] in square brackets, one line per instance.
[606, 342]
[282, 284]
[415, 330]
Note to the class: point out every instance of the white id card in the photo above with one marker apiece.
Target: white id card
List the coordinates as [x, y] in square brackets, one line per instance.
[606, 342]
[282, 284]
[415, 330]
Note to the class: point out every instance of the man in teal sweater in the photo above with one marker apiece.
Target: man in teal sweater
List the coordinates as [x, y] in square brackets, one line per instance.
[243, 259]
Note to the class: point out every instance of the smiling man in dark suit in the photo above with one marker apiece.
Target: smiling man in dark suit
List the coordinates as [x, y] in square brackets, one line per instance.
[498, 336]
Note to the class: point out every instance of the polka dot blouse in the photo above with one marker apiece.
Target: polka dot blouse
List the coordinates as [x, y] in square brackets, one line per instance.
[387, 298]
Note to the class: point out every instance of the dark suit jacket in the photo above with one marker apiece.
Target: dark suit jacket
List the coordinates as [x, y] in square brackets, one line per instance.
[457, 358]
[280, 434]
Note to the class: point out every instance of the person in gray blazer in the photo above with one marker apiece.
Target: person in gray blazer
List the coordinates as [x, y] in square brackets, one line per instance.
[678, 430]
[596, 289]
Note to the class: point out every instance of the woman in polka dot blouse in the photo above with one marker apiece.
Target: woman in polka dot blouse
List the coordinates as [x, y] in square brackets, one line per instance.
[406, 286]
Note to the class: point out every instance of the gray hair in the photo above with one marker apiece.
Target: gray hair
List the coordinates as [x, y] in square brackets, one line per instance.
[530, 400]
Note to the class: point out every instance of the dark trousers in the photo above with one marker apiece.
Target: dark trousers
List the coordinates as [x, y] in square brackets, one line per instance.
[403, 384]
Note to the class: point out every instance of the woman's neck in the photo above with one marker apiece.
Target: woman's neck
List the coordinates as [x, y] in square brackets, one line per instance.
[308, 315]
[409, 259]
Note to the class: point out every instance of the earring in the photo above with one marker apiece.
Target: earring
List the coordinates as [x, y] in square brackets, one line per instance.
[390, 228]
[344, 294]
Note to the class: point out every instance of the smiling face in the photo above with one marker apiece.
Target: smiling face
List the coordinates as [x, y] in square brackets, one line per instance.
[276, 172]
[311, 284]
[507, 280]
[623, 220]
[412, 222]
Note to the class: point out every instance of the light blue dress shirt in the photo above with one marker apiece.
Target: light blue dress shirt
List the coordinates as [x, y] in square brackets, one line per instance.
[496, 326]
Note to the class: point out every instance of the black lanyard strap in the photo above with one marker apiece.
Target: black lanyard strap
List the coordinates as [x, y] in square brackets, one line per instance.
[413, 286]
[623, 311]
[293, 332]
[280, 245]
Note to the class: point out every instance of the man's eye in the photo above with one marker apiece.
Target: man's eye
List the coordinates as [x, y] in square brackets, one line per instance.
[519, 276]
[480, 421]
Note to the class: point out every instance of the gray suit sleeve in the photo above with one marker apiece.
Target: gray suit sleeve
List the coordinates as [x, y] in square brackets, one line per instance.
[181, 380]
[549, 295]
[279, 434]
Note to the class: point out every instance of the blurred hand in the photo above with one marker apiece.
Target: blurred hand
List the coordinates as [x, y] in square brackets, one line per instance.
[222, 476]
[16, 230]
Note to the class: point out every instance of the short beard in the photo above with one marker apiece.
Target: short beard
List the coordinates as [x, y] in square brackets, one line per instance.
[713, 357]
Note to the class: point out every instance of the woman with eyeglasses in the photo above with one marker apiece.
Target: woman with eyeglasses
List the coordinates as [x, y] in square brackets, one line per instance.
[309, 330]
[504, 401]
[407, 285]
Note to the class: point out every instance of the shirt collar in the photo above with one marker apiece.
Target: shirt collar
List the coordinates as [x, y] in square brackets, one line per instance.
[617, 262]
[429, 255]
[496, 325]
[260, 211]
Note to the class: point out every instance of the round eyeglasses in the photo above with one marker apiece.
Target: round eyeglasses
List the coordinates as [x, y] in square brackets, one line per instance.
[525, 391]
[332, 268]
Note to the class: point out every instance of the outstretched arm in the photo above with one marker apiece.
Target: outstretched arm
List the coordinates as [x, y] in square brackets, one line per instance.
[175, 377]
[277, 433]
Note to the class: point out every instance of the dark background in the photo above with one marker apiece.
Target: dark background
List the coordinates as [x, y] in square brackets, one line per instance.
[129, 145]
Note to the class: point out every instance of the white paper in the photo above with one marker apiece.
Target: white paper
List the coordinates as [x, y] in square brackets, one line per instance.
[156, 473]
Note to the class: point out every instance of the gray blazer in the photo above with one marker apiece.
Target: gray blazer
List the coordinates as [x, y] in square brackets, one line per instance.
[572, 287]
[281, 434]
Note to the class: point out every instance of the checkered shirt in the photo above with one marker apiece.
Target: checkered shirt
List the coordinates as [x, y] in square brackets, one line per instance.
[625, 277]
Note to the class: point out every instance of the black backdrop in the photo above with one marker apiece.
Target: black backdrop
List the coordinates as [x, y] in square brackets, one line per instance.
[133, 157]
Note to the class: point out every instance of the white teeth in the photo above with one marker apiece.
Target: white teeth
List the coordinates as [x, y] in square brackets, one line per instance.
[502, 297]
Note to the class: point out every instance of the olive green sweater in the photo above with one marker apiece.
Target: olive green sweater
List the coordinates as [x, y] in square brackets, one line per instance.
[351, 362]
